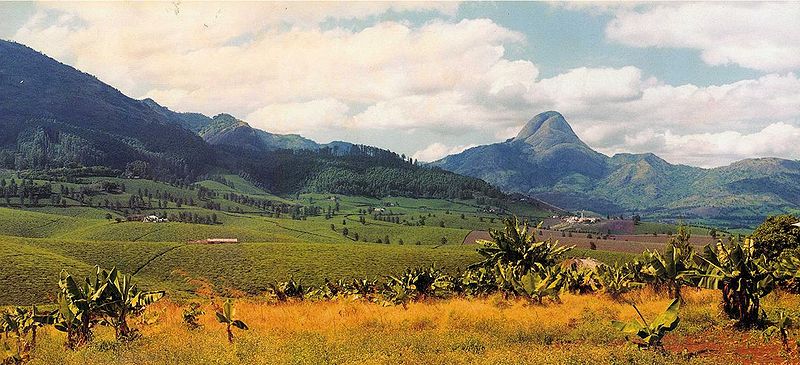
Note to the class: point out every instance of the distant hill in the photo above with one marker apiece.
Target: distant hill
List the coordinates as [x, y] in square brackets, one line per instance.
[548, 160]
[53, 115]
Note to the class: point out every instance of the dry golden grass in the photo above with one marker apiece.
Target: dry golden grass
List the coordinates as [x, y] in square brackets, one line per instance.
[456, 331]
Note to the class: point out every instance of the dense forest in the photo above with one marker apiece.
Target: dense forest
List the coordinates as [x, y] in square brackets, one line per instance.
[364, 170]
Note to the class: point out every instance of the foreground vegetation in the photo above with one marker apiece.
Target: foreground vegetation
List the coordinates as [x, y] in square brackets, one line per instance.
[490, 330]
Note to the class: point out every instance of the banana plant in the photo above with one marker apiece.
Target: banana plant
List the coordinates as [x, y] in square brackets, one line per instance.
[226, 317]
[741, 276]
[395, 293]
[517, 246]
[650, 335]
[673, 268]
[78, 304]
[107, 298]
[329, 290]
[420, 283]
[617, 280]
[787, 270]
[788, 265]
[535, 286]
[362, 289]
[581, 280]
[22, 324]
[477, 282]
[121, 299]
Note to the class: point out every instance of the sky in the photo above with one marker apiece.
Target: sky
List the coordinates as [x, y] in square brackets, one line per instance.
[702, 84]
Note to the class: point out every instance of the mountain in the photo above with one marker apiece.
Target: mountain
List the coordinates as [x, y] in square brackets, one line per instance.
[53, 115]
[544, 155]
[58, 121]
[548, 160]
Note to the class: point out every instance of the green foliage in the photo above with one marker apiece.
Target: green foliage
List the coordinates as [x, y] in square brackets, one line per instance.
[776, 234]
[417, 284]
[740, 274]
[477, 282]
[581, 280]
[651, 335]
[226, 316]
[533, 285]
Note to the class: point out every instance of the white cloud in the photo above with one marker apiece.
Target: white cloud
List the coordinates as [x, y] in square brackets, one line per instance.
[300, 117]
[438, 150]
[761, 36]
[592, 85]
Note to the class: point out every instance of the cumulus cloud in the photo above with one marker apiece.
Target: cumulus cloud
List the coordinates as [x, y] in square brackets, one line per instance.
[297, 118]
[717, 149]
[438, 150]
[762, 36]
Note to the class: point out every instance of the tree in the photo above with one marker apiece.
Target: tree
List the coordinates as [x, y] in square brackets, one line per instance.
[776, 234]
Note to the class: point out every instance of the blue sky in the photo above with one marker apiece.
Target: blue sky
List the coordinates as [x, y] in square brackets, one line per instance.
[696, 83]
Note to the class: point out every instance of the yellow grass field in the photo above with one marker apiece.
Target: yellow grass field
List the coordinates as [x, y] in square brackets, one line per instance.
[457, 331]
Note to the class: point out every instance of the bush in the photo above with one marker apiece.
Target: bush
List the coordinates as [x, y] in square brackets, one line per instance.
[776, 234]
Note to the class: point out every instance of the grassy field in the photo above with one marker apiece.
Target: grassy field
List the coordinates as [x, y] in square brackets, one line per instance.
[457, 331]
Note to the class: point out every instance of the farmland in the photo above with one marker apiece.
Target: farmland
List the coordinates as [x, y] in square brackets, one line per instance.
[296, 254]
[384, 236]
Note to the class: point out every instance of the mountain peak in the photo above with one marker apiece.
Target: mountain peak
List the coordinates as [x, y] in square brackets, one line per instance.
[546, 130]
[547, 122]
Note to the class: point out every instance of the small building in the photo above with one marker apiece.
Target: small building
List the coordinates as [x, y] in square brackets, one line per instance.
[212, 241]
[154, 219]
